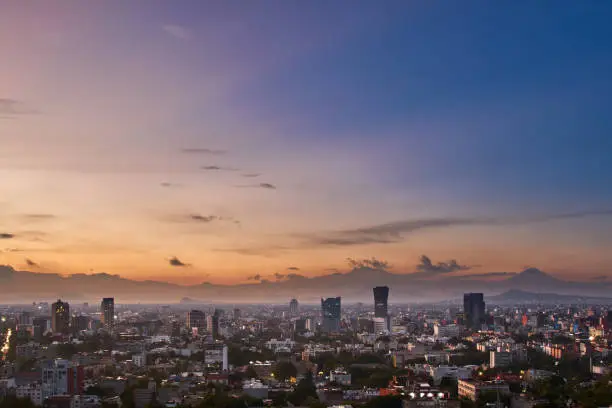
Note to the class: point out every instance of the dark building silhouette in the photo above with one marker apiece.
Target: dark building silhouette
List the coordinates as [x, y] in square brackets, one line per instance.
[299, 325]
[381, 297]
[212, 323]
[473, 310]
[330, 312]
[237, 314]
[79, 323]
[293, 307]
[107, 307]
[196, 319]
[60, 316]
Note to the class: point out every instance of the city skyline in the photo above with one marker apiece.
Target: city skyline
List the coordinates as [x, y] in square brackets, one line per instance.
[246, 144]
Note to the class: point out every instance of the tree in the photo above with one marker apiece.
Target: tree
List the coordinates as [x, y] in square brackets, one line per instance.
[285, 370]
[388, 401]
[66, 350]
[303, 391]
[250, 372]
[14, 402]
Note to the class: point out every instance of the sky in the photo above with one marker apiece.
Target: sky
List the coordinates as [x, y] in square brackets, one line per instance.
[193, 141]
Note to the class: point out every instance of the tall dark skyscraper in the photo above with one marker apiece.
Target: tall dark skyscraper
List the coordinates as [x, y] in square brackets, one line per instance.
[293, 307]
[381, 296]
[107, 307]
[60, 316]
[212, 323]
[474, 310]
[330, 312]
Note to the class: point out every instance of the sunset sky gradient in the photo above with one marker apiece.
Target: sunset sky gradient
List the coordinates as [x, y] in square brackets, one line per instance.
[192, 141]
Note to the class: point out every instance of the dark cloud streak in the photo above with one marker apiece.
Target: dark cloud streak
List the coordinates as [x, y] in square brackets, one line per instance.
[268, 186]
[394, 231]
[203, 151]
[174, 261]
[31, 263]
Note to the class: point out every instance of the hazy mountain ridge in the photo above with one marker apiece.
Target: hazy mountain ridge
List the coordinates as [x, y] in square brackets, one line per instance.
[515, 296]
[356, 285]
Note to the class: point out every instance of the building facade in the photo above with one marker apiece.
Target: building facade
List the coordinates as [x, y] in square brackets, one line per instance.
[61, 377]
[293, 307]
[474, 310]
[196, 319]
[60, 316]
[107, 309]
[472, 389]
[330, 313]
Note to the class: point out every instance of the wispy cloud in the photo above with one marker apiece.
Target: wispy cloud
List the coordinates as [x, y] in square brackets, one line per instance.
[177, 31]
[174, 261]
[427, 266]
[372, 263]
[12, 107]
[395, 231]
[196, 218]
[293, 268]
[203, 151]
[268, 186]
[251, 175]
[167, 184]
[39, 216]
[600, 278]
[217, 168]
[6, 235]
[203, 218]
[265, 251]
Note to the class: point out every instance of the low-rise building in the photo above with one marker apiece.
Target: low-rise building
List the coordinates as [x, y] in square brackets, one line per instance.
[255, 388]
[33, 391]
[449, 330]
[452, 372]
[472, 389]
[340, 376]
[279, 346]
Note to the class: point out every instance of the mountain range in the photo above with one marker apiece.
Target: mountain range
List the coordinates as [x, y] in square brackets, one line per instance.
[356, 285]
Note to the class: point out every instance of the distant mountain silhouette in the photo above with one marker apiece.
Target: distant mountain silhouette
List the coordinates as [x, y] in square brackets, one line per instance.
[354, 286]
[519, 296]
[533, 277]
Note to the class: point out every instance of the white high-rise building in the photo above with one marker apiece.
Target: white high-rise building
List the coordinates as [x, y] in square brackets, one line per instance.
[61, 377]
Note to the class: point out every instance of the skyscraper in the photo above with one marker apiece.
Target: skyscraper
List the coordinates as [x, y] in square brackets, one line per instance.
[196, 319]
[293, 307]
[474, 310]
[212, 323]
[330, 312]
[60, 316]
[381, 313]
[107, 307]
[381, 296]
